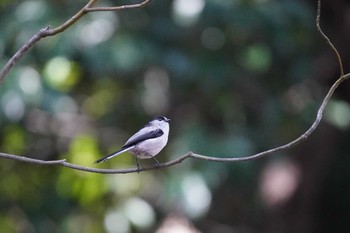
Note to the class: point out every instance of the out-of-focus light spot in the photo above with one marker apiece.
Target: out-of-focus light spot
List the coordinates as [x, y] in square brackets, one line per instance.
[187, 12]
[65, 104]
[13, 106]
[213, 38]
[188, 7]
[155, 96]
[115, 222]
[239, 144]
[176, 224]
[178, 63]
[61, 74]
[14, 140]
[97, 31]
[127, 53]
[279, 181]
[69, 125]
[30, 10]
[37, 121]
[99, 103]
[338, 114]
[126, 186]
[139, 212]
[257, 58]
[30, 84]
[196, 196]
[85, 188]
[78, 222]
[297, 98]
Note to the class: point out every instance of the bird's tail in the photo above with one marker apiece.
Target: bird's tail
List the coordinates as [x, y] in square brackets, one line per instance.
[122, 150]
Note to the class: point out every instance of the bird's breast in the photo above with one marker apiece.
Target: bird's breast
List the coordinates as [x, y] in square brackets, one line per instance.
[149, 148]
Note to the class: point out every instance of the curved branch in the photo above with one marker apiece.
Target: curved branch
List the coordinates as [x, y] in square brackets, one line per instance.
[318, 16]
[190, 154]
[19, 54]
[293, 143]
[42, 33]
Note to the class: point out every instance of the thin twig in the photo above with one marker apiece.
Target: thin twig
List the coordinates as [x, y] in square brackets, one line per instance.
[42, 33]
[340, 62]
[45, 32]
[73, 19]
[117, 8]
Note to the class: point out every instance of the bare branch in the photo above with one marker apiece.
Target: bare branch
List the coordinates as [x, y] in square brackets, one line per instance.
[30, 160]
[72, 20]
[117, 8]
[327, 39]
[190, 154]
[46, 31]
[19, 54]
[64, 163]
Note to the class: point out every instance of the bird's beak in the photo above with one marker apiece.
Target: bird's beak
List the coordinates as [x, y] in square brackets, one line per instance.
[167, 120]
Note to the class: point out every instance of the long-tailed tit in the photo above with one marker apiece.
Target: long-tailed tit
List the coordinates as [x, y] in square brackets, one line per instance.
[147, 142]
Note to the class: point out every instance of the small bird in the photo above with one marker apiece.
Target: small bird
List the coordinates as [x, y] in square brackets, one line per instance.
[147, 142]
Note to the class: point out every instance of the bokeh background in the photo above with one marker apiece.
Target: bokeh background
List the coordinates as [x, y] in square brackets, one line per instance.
[235, 76]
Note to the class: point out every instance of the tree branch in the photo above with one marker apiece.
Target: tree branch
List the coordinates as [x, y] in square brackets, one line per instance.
[318, 16]
[117, 8]
[46, 32]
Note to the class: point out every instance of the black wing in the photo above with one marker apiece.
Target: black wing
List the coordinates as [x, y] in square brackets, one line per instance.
[152, 134]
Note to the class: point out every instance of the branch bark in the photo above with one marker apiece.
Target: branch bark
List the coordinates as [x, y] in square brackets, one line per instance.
[89, 8]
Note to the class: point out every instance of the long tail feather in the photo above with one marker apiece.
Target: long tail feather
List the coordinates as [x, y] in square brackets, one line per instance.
[113, 154]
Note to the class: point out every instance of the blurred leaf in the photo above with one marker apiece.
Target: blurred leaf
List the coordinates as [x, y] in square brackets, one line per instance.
[83, 186]
[14, 139]
[257, 58]
[62, 74]
[338, 114]
[7, 224]
[103, 98]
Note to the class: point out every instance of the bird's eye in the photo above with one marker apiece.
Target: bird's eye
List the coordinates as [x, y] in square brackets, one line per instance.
[161, 118]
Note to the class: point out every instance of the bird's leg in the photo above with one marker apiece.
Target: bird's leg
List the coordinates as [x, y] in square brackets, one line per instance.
[157, 163]
[137, 163]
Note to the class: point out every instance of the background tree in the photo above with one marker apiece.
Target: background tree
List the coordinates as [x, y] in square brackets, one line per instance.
[241, 77]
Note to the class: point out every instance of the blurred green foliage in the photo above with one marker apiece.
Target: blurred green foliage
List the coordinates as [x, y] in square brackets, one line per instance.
[235, 77]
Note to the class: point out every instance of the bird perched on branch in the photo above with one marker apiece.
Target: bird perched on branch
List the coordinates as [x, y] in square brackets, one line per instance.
[147, 142]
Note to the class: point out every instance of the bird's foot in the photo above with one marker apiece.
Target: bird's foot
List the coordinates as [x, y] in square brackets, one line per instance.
[156, 165]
